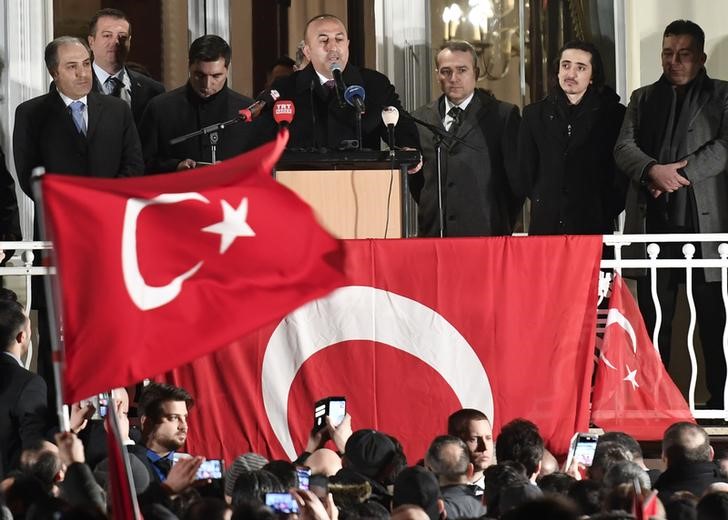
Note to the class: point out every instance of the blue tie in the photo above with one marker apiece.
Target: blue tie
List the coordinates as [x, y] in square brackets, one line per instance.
[77, 113]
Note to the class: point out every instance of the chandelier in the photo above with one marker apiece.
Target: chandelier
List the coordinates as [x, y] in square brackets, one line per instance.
[491, 27]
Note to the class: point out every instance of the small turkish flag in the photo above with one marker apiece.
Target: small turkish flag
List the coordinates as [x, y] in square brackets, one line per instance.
[633, 392]
[157, 271]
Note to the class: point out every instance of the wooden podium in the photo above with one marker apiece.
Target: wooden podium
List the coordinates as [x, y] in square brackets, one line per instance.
[355, 194]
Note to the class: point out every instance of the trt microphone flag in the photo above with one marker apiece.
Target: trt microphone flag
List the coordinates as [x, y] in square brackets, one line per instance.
[157, 271]
[505, 325]
[633, 392]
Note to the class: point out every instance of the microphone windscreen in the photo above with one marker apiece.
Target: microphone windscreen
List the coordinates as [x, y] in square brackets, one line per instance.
[390, 116]
[335, 66]
[352, 92]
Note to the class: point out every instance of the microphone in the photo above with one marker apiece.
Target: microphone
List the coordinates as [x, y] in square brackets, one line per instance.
[283, 112]
[355, 95]
[264, 99]
[390, 116]
[335, 69]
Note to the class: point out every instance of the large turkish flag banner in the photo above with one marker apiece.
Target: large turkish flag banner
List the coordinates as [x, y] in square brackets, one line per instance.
[427, 326]
[157, 271]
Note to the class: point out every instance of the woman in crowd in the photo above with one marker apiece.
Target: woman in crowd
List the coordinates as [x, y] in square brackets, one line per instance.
[565, 148]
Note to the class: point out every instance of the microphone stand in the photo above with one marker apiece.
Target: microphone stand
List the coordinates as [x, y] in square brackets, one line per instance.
[358, 128]
[440, 135]
[212, 133]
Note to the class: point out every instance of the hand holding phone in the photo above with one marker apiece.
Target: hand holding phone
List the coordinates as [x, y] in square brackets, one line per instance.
[583, 446]
[333, 407]
[283, 503]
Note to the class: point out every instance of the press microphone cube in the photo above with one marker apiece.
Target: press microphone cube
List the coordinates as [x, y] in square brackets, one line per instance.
[283, 112]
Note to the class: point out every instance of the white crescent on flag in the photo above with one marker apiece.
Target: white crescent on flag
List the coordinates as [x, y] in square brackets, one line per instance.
[367, 313]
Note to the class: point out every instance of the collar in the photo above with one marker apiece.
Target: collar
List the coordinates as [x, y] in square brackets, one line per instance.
[322, 79]
[154, 456]
[121, 75]
[16, 358]
[464, 104]
[67, 100]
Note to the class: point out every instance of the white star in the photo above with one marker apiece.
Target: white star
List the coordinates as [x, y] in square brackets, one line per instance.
[631, 377]
[232, 225]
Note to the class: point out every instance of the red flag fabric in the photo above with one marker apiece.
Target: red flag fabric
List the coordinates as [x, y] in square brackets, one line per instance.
[157, 271]
[427, 326]
[123, 500]
[633, 392]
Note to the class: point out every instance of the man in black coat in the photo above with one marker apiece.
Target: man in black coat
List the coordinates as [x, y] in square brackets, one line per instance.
[689, 456]
[99, 139]
[321, 119]
[476, 194]
[23, 404]
[204, 100]
[110, 40]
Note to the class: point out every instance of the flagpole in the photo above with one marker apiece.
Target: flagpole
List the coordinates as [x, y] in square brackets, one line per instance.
[113, 423]
[52, 292]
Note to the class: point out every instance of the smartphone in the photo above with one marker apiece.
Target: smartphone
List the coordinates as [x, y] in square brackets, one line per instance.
[101, 403]
[209, 469]
[281, 503]
[304, 475]
[583, 446]
[334, 407]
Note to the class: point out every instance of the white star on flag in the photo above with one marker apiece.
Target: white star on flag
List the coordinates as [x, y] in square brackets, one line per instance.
[232, 225]
[631, 377]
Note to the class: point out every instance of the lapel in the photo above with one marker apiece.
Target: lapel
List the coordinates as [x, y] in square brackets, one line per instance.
[95, 110]
[136, 87]
[705, 94]
[474, 112]
[64, 117]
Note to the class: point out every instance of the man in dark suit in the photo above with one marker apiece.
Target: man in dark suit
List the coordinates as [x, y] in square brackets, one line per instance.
[109, 37]
[203, 101]
[479, 167]
[321, 121]
[72, 130]
[673, 151]
[23, 405]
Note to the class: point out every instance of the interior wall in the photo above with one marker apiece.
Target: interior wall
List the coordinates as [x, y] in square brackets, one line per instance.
[646, 20]
[302, 11]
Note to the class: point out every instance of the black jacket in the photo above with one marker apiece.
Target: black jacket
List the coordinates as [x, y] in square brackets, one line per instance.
[566, 165]
[694, 477]
[143, 89]
[461, 502]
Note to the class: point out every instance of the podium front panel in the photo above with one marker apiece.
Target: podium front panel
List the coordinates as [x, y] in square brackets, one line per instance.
[351, 203]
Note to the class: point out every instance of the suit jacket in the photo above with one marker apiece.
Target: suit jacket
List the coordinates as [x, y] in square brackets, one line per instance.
[143, 89]
[320, 122]
[707, 156]
[9, 216]
[477, 175]
[45, 135]
[182, 111]
[23, 411]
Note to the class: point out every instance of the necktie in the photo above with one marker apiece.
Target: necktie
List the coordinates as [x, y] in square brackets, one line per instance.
[77, 114]
[112, 86]
[164, 466]
[330, 84]
[456, 113]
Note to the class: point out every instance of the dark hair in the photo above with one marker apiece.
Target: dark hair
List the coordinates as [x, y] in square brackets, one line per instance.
[154, 395]
[680, 27]
[520, 441]
[324, 16]
[106, 12]
[498, 477]
[625, 440]
[209, 47]
[51, 51]
[586, 494]
[598, 78]
[7, 294]
[607, 454]
[459, 46]
[12, 321]
[448, 468]
[284, 61]
[209, 508]
[685, 442]
[556, 483]
[626, 472]
[546, 508]
[252, 486]
[713, 506]
[458, 423]
[45, 468]
[285, 472]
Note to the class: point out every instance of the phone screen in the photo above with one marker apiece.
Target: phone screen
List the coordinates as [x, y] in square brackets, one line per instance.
[304, 475]
[337, 411]
[584, 450]
[210, 469]
[281, 502]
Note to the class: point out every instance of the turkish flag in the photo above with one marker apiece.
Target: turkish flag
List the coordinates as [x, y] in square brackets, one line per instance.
[633, 392]
[505, 325]
[157, 271]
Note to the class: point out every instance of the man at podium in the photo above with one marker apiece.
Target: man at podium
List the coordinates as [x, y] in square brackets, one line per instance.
[326, 102]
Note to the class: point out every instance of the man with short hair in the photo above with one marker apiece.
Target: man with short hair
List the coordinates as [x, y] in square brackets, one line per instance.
[673, 149]
[478, 155]
[473, 427]
[520, 441]
[687, 452]
[163, 411]
[417, 486]
[203, 101]
[109, 36]
[23, 405]
[322, 120]
[448, 458]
